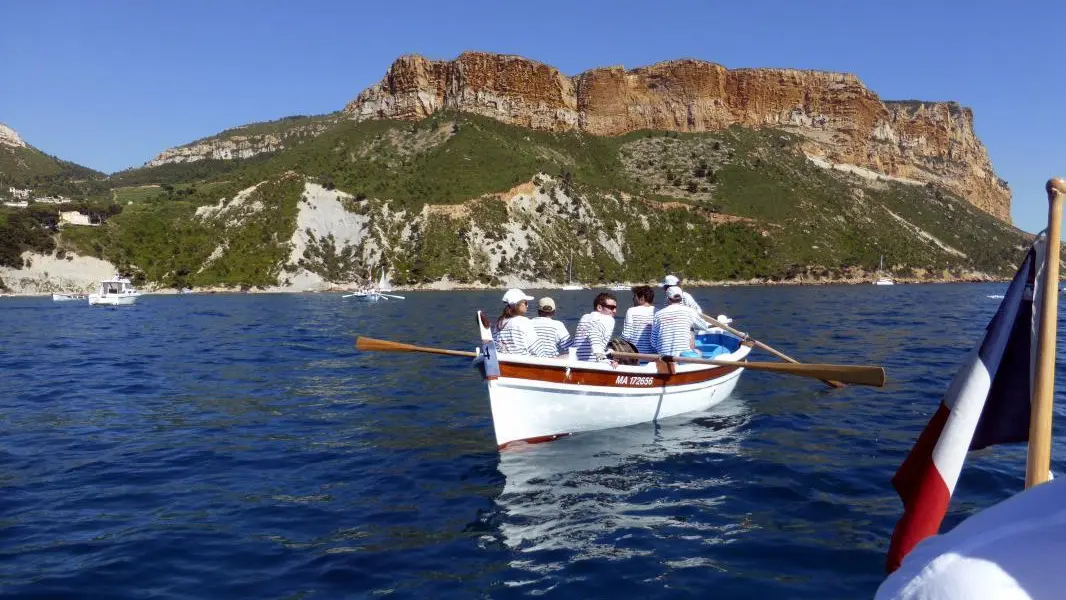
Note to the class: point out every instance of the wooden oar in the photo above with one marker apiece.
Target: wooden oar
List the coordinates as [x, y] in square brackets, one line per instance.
[392, 296]
[762, 346]
[368, 344]
[857, 374]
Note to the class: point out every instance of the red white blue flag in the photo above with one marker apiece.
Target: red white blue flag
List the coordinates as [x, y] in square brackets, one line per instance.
[987, 403]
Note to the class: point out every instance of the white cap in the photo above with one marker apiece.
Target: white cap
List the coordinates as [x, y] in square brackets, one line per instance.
[673, 292]
[514, 296]
[670, 280]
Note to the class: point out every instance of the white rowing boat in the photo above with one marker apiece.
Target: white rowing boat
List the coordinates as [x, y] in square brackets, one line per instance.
[540, 399]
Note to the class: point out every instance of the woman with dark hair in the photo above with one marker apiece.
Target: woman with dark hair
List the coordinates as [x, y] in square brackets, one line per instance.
[637, 327]
[513, 332]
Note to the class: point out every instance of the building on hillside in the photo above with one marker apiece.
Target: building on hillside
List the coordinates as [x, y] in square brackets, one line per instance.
[73, 217]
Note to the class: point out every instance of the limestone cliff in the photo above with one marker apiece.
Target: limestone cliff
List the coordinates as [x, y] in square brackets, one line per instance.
[841, 120]
[10, 137]
[246, 141]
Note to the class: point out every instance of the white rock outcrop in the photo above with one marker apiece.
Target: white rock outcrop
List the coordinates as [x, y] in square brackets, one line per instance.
[10, 137]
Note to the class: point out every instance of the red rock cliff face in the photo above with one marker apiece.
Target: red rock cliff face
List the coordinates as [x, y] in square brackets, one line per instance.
[840, 118]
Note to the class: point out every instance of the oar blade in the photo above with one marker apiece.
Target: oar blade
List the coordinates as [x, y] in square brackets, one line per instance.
[372, 345]
[855, 374]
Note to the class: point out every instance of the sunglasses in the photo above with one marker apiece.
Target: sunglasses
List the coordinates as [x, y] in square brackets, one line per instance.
[610, 306]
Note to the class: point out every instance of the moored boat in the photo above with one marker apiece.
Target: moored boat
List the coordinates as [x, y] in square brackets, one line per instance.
[117, 291]
[67, 297]
[882, 279]
[540, 399]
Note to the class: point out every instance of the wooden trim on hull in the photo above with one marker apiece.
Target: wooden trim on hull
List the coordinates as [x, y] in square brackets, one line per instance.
[533, 440]
[620, 379]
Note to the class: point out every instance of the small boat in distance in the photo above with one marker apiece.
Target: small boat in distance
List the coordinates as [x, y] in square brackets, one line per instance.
[375, 292]
[881, 279]
[68, 297]
[117, 291]
[570, 285]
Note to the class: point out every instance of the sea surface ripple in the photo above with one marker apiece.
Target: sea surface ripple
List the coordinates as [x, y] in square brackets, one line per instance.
[238, 445]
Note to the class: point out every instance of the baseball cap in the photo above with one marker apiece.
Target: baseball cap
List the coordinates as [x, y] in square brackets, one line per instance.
[670, 280]
[673, 292]
[546, 304]
[514, 296]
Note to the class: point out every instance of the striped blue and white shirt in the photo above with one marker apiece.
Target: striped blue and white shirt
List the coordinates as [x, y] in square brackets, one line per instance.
[671, 329]
[552, 337]
[637, 327]
[592, 335]
[517, 336]
[686, 300]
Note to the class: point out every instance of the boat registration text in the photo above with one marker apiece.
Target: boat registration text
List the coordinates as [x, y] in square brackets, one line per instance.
[634, 380]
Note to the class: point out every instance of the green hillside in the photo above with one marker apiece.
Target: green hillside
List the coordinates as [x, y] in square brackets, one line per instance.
[47, 175]
[735, 204]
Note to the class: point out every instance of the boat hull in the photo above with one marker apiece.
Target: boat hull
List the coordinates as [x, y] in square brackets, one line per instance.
[124, 300]
[67, 297]
[540, 402]
[367, 297]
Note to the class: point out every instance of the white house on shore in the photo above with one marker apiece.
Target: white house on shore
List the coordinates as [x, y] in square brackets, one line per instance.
[73, 217]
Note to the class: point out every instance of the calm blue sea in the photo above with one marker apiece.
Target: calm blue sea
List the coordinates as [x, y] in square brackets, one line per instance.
[238, 446]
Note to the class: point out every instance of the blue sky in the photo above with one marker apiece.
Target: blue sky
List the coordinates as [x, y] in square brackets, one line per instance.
[109, 84]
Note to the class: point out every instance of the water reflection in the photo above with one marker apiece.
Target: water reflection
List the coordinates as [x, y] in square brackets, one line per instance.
[593, 494]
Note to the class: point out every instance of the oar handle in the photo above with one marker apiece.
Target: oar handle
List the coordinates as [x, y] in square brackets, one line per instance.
[761, 345]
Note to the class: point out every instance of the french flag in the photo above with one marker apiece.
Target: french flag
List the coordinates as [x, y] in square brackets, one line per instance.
[987, 403]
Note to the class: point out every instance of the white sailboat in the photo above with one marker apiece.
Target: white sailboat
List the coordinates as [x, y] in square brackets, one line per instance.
[881, 279]
[570, 285]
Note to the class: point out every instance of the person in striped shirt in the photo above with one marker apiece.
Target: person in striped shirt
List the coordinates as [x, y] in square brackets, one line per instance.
[594, 330]
[513, 332]
[686, 298]
[671, 329]
[552, 336]
[637, 327]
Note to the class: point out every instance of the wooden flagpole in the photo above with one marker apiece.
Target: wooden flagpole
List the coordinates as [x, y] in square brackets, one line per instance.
[1039, 460]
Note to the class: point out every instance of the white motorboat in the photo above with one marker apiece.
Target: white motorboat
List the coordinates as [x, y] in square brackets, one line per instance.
[67, 297]
[540, 399]
[117, 291]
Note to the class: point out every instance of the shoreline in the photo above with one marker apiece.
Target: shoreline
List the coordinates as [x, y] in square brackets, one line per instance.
[448, 286]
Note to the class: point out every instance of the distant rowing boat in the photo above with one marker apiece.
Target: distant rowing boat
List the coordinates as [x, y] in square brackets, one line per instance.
[375, 293]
